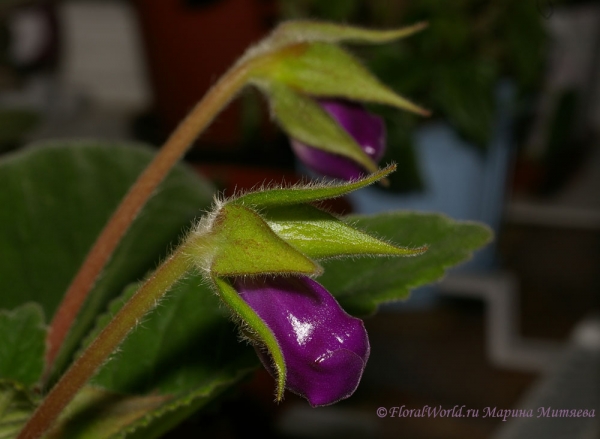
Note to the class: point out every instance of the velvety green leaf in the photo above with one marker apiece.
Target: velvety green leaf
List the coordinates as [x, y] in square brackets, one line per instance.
[305, 120]
[362, 284]
[186, 350]
[22, 344]
[184, 343]
[246, 245]
[170, 414]
[98, 414]
[326, 70]
[311, 30]
[55, 199]
[16, 406]
[320, 235]
[308, 193]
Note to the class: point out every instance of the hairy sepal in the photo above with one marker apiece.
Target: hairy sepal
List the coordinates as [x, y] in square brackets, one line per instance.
[321, 235]
[259, 333]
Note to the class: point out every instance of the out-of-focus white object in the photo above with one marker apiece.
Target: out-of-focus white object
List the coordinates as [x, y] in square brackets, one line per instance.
[505, 347]
[574, 32]
[572, 383]
[102, 53]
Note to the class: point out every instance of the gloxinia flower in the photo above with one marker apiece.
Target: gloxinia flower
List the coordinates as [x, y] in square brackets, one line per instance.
[325, 349]
[368, 130]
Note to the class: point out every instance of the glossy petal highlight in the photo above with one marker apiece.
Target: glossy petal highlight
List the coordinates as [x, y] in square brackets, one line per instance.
[324, 348]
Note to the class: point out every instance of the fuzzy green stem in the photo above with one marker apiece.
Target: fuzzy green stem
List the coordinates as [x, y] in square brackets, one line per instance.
[198, 119]
[144, 300]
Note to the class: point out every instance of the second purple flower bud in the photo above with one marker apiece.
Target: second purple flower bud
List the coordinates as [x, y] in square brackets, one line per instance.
[368, 130]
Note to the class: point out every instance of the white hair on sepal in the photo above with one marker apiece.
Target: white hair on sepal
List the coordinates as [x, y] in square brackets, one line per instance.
[199, 238]
[206, 221]
[319, 183]
[353, 222]
[203, 245]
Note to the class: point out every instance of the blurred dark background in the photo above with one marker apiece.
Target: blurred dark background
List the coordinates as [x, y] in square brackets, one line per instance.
[514, 87]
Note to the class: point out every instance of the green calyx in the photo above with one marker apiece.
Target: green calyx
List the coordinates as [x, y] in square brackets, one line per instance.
[310, 193]
[314, 30]
[320, 235]
[278, 231]
[306, 121]
[296, 32]
[326, 70]
[245, 245]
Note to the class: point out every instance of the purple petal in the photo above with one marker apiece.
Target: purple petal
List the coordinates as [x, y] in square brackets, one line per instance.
[367, 129]
[324, 348]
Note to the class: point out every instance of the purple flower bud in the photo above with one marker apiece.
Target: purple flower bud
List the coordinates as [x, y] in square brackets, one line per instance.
[367, 130]
[325, 349]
